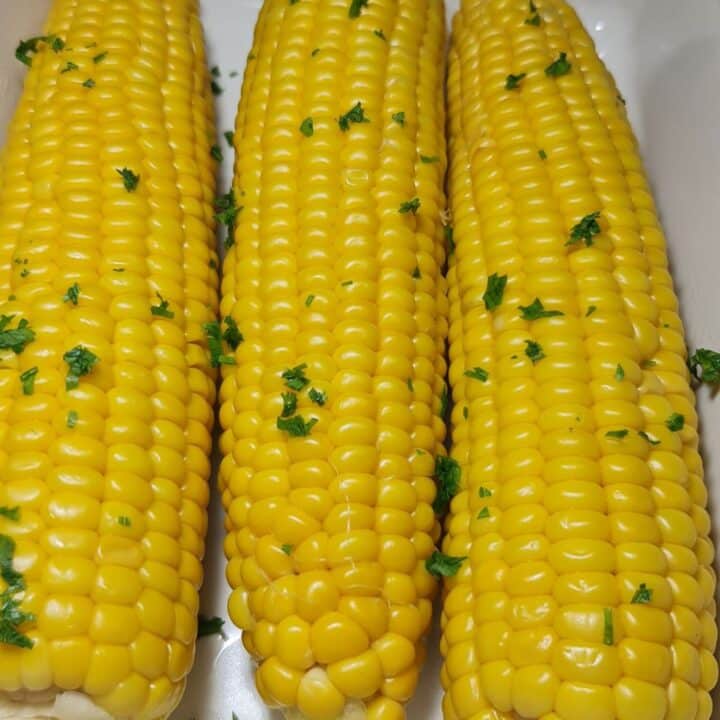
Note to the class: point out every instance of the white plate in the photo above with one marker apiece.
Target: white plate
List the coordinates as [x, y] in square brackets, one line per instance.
[666, 58]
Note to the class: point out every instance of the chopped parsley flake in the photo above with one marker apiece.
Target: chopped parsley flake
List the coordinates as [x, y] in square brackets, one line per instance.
[484, 492]
[559, 67]
[72, 294]
[289, 404]
[444, 400]
[80, 362]
[16, 339]
[295, 378]
[346, 283]
[484, 513]
[536, 311]
[10, 513]
[399, 118]
[416, 273]
[130, 179]
[232, 335]
[215, 71]
[209, 626]
[619, 373]
[642, 596]
[379, 33]
[466, 412]
[608, 634]
[542, 154]
[494, 291]
[100, 57]
[11, 616]
[447, 478]
[162, 310]
[429, 159]
[317, 396]
[477, 373]
[512, 82]
[356, 114]
[534, 351]
[29, 47]
[411, 388]
[441, 565]
[287, 548]
[216, 153]
[89, 83]
[296, 426]
[449, 239]
[585, 230]
[708, 361]
[229, 136]
[410, 206]
[314, 52]
[355, 7]
[675, 422]
[534, 18]
[124, 520]
[72, 418]
[226, 212]
[617, 434]
[215, 337]
[309, 300]
[591, 309]
[645, 436]
[28, 380]
[306, 127]
[69, 65]
[215, 88]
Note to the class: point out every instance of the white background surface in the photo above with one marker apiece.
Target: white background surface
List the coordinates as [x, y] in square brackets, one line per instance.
[665, 55]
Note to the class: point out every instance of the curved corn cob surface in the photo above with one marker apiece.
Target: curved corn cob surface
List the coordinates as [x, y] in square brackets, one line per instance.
[331, 412]
[106, 390]
[588, 592]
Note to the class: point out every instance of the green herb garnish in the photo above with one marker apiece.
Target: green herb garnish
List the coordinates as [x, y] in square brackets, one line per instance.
[215, 337]
[484, 513]
[296, 426]
[477, 373]
[536, 311]
[356, 114]
[675, 422]
[209, 626]
[399, 118]
[410, 206]
[29, 47]
[307, 128]
[645, 436]
[608, 635]
[619, 373]
[216, 153]
[130, 179]
[617, 434]
[72, 294]
[295, 377]
[10, 513]
[642, 596]
[534, 351]
[708, 361]
[441, 565]
[317, 396]
[72, 418]
[559, 67]
[355, 7]
[512, 82]
[494, 291]
[226, 212]
[69, 65]
[287, 548]
[16, 339]
[585, 230]
[289, 404]
[80, 362]
[28, 380]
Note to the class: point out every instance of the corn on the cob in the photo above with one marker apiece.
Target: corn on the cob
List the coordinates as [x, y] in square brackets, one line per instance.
[106, 278]
[589, 588]
[331, 416]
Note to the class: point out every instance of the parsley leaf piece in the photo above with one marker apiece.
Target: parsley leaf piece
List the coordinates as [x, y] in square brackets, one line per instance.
[709, 362]
[477, 373]
[11, 513]
[608, 633]
[72, 294]
[28, 380]
[512, 82]
[229, 136]
[645, 436]
[533, 20]
[591, 309]
[411, 388]
[216, 153]
[232, 335]
[484, 513]
[619, 373]
[585, 230]
[100, 57]
[287, 548]
[214, 338]
[314, 52]
[429, 159]
[355, 7]
[307, 128]
[16, 339]
[617, 434]
[534, 351]
[69, 65]
[309, 300]
[416, 273]
[642, 596]
[542, 154]
[441, 565]
[675, 422]
[399, 118]
[209, 626]
[80, 362]
[444, 400]
[466, 412]
[355, 114]
[226, 212]
[536, 311]
[447, 477]
[346, 283]
[410, 206]
[379, 33]
[559, 67]
[295, 378]
[162, 310]
[296, 426]
[215, 88]
[289, 404]
[30, 46]
[317, 396]
[494, 291]
[449, 238]
[124, 520]
[215, 71]
[130, 179]
[484, 492]
[72, 418]
[89, 83]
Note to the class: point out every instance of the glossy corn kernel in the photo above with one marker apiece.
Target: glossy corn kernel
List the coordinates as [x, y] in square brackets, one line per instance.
[581, 506]
[332, 413]
[107, 253]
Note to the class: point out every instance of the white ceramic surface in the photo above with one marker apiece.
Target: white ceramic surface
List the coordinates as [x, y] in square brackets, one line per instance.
[666, 57]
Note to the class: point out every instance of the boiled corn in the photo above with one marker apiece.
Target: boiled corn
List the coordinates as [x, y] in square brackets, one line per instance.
[589, 588]
[331, 412]
[106, 278]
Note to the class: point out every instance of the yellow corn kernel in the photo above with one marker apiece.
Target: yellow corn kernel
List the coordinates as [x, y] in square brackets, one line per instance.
[332, 414]
[107, 260]
[588, 593]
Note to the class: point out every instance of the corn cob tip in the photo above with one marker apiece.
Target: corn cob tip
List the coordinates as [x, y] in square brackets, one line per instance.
[353, 710]
[49, 706]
